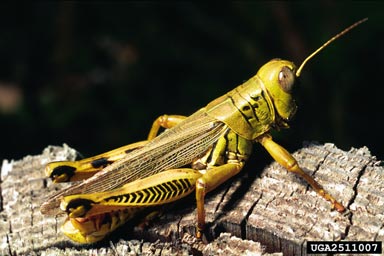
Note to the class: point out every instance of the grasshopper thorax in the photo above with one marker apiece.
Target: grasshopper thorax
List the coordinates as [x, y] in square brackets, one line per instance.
[262, 103]
[278, 78]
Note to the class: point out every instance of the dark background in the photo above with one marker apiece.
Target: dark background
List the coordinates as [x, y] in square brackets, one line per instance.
[95, 75]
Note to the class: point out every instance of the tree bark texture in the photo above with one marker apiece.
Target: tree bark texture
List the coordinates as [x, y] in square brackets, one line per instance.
[272, 213]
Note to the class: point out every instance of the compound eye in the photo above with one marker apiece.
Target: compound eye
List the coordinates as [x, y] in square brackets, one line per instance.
[286, 79]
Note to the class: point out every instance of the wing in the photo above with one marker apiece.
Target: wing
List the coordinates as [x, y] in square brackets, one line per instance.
[173, 148]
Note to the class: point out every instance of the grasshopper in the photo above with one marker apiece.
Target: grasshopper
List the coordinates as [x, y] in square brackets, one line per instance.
[196, 153]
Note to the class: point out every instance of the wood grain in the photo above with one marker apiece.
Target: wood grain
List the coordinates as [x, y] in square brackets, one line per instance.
[275, 212]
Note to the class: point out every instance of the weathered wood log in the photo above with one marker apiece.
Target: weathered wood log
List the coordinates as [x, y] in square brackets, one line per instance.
[276, 212]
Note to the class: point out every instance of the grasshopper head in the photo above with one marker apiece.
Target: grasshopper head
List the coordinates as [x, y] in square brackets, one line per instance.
[278, 77]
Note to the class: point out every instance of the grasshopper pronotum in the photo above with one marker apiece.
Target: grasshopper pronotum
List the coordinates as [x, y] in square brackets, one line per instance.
[214, 142]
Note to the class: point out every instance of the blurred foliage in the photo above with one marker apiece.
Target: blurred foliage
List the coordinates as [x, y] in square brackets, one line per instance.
[95, 75]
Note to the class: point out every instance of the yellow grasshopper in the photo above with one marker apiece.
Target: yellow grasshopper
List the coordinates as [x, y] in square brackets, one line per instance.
[196, 153]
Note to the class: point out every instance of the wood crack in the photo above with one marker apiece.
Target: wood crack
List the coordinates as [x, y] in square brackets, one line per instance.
[244, 221]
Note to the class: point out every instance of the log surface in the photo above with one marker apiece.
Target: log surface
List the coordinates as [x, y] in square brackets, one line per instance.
[275, 212]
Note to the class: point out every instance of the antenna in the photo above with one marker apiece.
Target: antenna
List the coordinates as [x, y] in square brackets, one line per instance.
[298, 72]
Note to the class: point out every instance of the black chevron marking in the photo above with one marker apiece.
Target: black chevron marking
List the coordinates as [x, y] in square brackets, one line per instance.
[179, 185]
[169, 190]
[140, 196]
[152, 194]
[147, 195]
[163, 189]
[185, 183]
[171, 185]
[157, 194]
[132, 197]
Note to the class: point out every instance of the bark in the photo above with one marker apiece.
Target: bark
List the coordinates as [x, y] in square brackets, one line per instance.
[275, 212]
